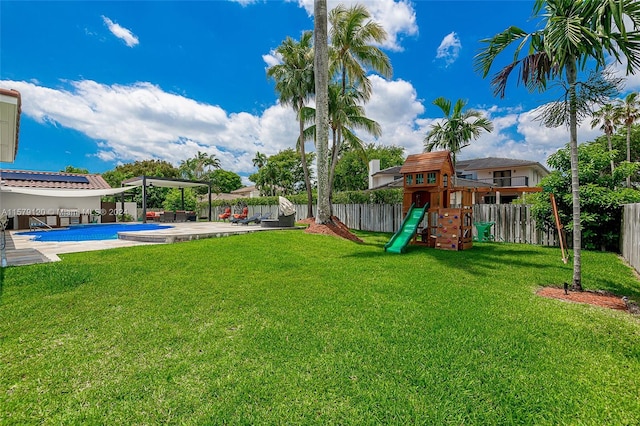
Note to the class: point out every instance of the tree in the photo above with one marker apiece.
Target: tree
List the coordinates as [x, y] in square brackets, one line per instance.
[71, 169]
[195, 168]
[352, 172]
[155, 168]
[259, 160]
[173, 200]
[601, 212]
[346, 115]
[224, 181]
[458, 128]
[353, 35]
[575, 33]
[282, 174]
[321, 72]
[606, 118]
[628, 112]
[295, 83]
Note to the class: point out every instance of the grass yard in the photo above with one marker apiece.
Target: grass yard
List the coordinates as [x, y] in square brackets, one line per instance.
[292, 328]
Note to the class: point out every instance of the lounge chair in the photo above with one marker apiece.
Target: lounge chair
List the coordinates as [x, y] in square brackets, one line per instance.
[243, 215]
[245, 220]
[257, 218]
[226, 214]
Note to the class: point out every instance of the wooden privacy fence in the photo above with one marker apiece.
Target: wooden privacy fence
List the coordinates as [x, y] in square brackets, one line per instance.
[513, 223]
[630, 238]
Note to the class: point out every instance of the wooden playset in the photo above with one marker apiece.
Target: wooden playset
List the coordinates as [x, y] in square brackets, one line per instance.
[429, 178]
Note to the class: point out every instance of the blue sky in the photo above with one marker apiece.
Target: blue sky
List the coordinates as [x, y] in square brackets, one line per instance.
[105, 83]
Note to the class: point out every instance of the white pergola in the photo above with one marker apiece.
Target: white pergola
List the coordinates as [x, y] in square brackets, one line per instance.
[150, 181]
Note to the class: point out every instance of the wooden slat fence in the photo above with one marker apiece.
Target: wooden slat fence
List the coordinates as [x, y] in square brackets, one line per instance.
[513, 223]
[630, 238]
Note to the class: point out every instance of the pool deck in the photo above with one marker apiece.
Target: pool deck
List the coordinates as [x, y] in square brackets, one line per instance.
[22, 250]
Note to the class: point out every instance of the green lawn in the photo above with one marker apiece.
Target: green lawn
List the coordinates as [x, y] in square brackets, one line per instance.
[290, 328]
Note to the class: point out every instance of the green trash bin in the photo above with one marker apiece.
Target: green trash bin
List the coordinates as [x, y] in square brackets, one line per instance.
[484, 231]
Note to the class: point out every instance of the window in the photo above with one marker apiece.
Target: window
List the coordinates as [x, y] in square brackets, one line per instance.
[419, 178]
[445, 181]
[431, 178]
[409, 180]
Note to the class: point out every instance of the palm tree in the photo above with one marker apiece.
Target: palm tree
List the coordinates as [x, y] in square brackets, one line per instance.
[295, 83]
[346, 114]
[606, 118]
[194, 168]
[458, 128]
[321, 67]
[259, 160]
[628, 112]
[575, 33]
[352, 35]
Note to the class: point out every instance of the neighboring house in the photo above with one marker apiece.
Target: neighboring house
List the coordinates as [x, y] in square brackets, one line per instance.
[246, 192]
[495, 180]
[389, 177]
[508, 178]
[10, 108]
[50, 199]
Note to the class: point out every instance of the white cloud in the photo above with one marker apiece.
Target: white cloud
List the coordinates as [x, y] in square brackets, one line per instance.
[122, 33]
[398, 18]
[141, 121]
[449, 49]
[272, 58]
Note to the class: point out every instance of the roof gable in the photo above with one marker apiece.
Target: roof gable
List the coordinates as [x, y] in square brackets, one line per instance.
[427, 162]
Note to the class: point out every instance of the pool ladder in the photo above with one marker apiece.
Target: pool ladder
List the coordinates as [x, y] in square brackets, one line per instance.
[35, 223]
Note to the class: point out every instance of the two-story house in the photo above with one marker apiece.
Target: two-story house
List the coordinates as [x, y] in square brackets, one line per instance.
[508, 178]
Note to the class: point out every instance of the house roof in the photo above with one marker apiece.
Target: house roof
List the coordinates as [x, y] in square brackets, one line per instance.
[395, 171]
[495, 163]
[51, 180]
[427, 161]
[244, 190]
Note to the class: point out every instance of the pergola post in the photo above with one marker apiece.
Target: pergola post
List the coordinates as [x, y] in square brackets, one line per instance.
[144, 199]
[209, 201]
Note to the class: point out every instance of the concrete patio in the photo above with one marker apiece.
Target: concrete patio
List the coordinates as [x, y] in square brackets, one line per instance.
[22, 250]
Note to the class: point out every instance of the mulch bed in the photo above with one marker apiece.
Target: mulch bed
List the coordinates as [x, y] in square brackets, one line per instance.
[334, 228]
[597, 298]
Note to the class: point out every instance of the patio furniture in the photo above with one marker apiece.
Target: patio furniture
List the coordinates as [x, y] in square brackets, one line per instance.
[257, 218]
[246, 220]
[167, 216]
[181, 216]
[484, 231]
[286, 215]
[224, 216]
[243, 215]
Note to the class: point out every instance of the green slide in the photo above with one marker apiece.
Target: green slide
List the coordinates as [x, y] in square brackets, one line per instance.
[407, 230]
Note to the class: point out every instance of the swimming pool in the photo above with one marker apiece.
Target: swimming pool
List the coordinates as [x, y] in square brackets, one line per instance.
[91, 232]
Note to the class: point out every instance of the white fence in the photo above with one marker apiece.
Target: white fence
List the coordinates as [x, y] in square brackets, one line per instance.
[630, 235]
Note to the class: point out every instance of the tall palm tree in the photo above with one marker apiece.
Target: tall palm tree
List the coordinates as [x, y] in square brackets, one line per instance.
[321, 67]
[194, 168]
[353, 34]
[575, 33]
[295, 83]
[346, 115]
[606, 118]
[628, 112]
[457, 129]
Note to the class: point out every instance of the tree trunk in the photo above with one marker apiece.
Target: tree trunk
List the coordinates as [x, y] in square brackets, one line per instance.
[321, 68]
[629, 152]
[305, 168]
[332, 167]
[610, 149]
[575, 184]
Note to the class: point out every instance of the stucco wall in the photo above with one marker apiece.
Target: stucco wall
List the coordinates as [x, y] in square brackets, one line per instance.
[31, 205]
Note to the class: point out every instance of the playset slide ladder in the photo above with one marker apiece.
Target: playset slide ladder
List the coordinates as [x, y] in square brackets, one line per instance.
[407, 230]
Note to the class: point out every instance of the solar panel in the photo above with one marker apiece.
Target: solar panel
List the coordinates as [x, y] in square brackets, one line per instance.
[39, 177]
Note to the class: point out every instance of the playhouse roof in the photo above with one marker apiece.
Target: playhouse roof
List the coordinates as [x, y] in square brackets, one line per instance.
[427, 162]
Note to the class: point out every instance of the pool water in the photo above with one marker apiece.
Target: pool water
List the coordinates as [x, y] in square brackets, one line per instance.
[91, 232]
